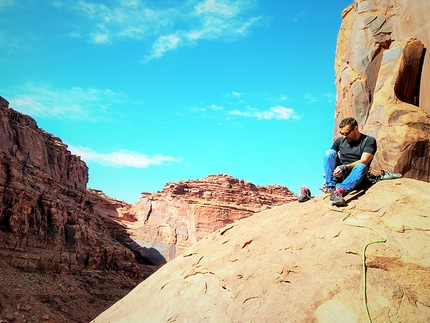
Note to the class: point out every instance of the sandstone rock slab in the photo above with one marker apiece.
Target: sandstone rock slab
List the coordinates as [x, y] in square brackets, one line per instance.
[300, 263]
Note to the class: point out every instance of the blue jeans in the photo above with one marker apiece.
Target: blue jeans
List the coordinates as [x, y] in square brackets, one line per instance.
[351, 181]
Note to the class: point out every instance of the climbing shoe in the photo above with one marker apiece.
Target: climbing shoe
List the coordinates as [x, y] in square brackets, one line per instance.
[305, 194]
[336, 197]
[327, 189]
[385, 174]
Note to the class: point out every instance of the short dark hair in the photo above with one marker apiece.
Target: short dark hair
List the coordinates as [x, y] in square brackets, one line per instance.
[351, 122]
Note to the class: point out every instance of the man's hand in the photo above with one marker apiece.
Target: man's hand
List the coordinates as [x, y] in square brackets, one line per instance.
[340, 170]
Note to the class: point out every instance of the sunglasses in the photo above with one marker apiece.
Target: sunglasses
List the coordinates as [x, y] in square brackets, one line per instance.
[346, 133]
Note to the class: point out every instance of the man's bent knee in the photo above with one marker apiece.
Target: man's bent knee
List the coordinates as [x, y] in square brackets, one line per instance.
[360, 167]
[330, 153]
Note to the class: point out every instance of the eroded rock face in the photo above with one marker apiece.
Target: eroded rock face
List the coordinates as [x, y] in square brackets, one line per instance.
[47, 221]
[161, 225]
[30, 146]
[382, 77]
[300, 262]
[50, 221]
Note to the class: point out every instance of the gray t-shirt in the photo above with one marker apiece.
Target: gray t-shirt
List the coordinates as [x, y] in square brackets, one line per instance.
[351, 151]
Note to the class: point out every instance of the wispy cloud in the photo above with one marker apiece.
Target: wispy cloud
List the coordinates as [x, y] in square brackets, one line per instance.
[310, 98]
[166, 28]
[299, 16]
[283, 97]
[75, 103]
[163, 45]
[5, 3]
[10, 44]
[319, 97]
[118, 20]
[237, 104]
[277, 113]
[122, 158]
[216, 107]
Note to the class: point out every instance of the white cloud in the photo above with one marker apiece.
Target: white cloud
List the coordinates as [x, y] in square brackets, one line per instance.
[299, 16]
[74, 103]
[283, 97]
[5, 3]
[198, 109]
[310, 98]
[117, 20]
[329, 96]
[282, 113]
[164, 44]
[100, 38]
[320, 97]
[211, 111]
[243, 105]
[122, 158]
[277, 113]
[216, 107]
[240, 113]
[167, 28]
[217, 7]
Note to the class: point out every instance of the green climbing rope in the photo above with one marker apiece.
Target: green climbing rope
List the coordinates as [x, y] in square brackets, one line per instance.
[382, 240]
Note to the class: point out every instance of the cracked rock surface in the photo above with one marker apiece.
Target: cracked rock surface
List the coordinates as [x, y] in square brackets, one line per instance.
[300, 262]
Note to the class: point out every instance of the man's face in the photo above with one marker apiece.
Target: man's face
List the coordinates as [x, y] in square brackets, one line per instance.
[349, 133]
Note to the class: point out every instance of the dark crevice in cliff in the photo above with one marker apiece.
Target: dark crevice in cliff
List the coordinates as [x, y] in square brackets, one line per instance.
[407, 85]
[419, 76]
[149, 212]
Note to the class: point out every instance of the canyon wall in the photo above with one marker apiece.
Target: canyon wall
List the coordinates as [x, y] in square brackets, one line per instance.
[67, 252]
[382, 76]
[162, 225]
[47, 221]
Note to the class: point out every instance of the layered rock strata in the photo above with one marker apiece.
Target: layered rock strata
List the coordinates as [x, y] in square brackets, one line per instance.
[161, 225]
[46, 220]
[382, 77]
[50, 221]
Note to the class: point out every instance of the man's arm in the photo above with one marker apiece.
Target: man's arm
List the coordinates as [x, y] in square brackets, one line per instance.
[365, 159]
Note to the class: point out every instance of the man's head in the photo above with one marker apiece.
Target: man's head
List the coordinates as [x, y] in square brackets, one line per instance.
[349, 129]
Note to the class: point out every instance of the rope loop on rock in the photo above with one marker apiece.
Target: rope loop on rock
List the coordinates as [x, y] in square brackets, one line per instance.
[381, 240]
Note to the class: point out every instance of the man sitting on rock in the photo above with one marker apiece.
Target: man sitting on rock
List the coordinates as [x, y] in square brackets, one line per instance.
[346, 163]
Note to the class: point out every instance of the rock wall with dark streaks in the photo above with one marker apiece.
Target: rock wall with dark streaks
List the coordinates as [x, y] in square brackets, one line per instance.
[382, 79]
[47, 221]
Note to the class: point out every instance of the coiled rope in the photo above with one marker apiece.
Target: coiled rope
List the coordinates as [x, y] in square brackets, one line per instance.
[381, 240]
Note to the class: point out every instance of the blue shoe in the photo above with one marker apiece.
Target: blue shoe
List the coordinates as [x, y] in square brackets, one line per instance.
[385, 174]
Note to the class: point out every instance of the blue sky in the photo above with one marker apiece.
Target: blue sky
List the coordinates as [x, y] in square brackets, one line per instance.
[150, 92]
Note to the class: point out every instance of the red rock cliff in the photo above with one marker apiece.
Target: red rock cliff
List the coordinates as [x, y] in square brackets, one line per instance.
[27, 144]
[46, 220]
[50, 221]
[383, 77]
[161, 225]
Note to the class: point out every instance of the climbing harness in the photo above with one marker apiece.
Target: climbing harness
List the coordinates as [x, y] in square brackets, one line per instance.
[381, 240]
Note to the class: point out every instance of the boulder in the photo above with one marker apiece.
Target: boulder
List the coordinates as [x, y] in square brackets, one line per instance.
[382, 73]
